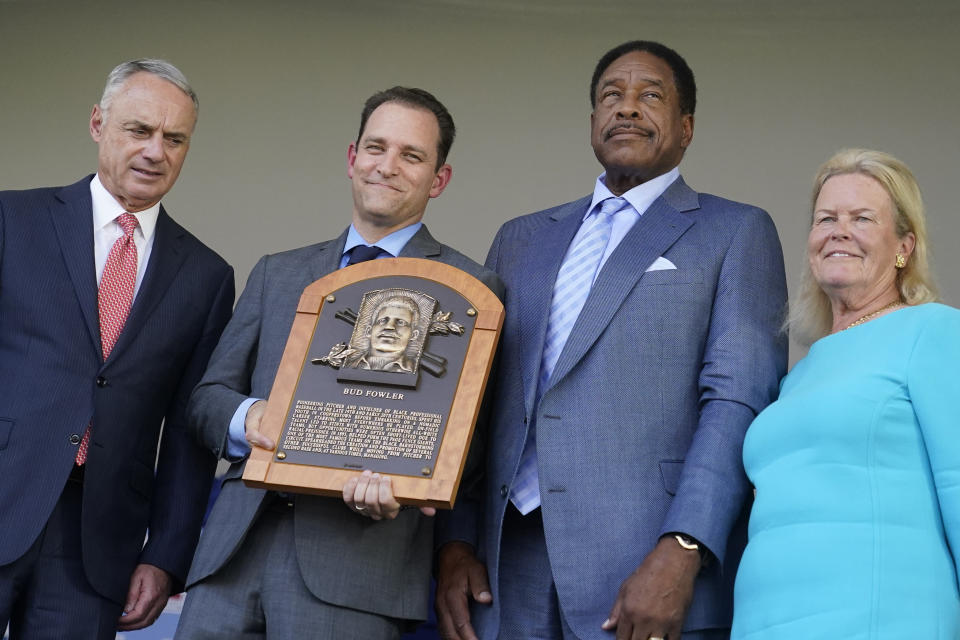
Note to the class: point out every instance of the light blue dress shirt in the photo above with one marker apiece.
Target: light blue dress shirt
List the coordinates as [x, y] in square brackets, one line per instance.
[640, 199]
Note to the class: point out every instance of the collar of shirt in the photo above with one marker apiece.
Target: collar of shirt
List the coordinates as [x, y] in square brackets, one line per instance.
[640, 197]
[106, 209]
[392, 243]
[106, 231]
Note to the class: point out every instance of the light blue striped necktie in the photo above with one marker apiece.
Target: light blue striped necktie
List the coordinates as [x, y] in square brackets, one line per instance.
[574, 281]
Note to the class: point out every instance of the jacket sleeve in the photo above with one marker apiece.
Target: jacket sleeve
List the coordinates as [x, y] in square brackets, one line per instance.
[933, 388]
[227, 381]
[185, 470]
[744, 359]
[463, 522]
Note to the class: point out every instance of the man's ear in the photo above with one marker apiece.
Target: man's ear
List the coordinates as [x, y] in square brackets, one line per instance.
[441, 180]
[96, 123]
[686, 126]
[351, 158]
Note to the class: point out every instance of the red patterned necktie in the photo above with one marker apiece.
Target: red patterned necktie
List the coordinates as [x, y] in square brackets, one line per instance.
[114, 297]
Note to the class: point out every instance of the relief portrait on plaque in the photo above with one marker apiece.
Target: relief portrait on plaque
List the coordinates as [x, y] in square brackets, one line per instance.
[385, 370]
[389, 335]
[389, 339]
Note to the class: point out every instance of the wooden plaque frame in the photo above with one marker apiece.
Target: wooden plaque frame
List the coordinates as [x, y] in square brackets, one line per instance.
[267, 469]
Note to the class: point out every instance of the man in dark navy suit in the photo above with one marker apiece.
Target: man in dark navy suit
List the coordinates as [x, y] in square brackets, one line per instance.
[109, 311]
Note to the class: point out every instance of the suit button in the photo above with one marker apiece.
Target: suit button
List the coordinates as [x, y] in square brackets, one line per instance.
[504, 491]
[101, 381]
[75, 438]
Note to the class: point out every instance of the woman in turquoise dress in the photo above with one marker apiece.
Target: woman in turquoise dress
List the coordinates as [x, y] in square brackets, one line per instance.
[857, 465]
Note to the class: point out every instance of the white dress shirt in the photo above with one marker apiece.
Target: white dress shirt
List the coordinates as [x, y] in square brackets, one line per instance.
[106, 230]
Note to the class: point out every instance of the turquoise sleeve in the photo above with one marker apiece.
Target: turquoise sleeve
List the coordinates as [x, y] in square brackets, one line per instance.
[934, 386]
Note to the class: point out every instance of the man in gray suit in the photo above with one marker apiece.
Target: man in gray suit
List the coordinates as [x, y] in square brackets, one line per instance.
[640, 340]
[305, 566]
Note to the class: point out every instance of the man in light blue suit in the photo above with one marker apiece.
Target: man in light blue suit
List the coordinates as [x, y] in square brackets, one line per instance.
[641, 338]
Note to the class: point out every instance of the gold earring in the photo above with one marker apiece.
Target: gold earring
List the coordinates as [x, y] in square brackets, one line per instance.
[901, 261]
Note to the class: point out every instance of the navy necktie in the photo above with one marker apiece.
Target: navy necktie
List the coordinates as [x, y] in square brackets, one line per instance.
[362, 253]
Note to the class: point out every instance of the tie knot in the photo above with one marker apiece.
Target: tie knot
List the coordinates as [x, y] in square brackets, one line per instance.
[611, 205]
[128, 222]
[362, 253]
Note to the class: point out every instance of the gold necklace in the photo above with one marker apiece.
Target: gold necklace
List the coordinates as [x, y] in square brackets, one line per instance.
[871, 316]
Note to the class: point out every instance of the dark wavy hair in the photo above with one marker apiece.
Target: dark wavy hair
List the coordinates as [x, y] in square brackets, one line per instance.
[419, 99]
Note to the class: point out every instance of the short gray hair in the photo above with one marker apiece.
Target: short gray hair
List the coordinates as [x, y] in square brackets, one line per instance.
[159, 68]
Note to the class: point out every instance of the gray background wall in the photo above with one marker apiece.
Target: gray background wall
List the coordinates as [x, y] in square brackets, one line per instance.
[782, 85]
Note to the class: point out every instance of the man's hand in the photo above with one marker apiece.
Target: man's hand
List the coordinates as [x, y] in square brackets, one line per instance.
[653, 601]
[371, 495]
[252, 426]
[459, 576]
[146, 598]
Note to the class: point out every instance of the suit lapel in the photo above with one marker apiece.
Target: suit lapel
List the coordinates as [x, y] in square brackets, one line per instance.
[421, 245]
[330, 254]
[535, 288]
[166, 258]
[328, 257]
[656, 230]
[73, 224]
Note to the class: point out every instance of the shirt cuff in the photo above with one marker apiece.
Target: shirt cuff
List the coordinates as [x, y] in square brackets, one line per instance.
[237, 445]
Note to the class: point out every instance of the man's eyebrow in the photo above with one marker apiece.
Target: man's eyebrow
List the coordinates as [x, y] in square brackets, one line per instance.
[138, 124]
[416, 149]
[382, 141]
[620, 79]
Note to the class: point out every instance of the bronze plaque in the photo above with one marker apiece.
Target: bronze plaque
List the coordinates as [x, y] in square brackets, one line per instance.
[384, 369]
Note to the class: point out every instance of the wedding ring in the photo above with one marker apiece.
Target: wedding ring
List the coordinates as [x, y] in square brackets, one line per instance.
[359, 508]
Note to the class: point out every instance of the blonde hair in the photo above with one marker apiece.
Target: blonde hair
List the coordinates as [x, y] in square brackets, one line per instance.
[810, 316]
